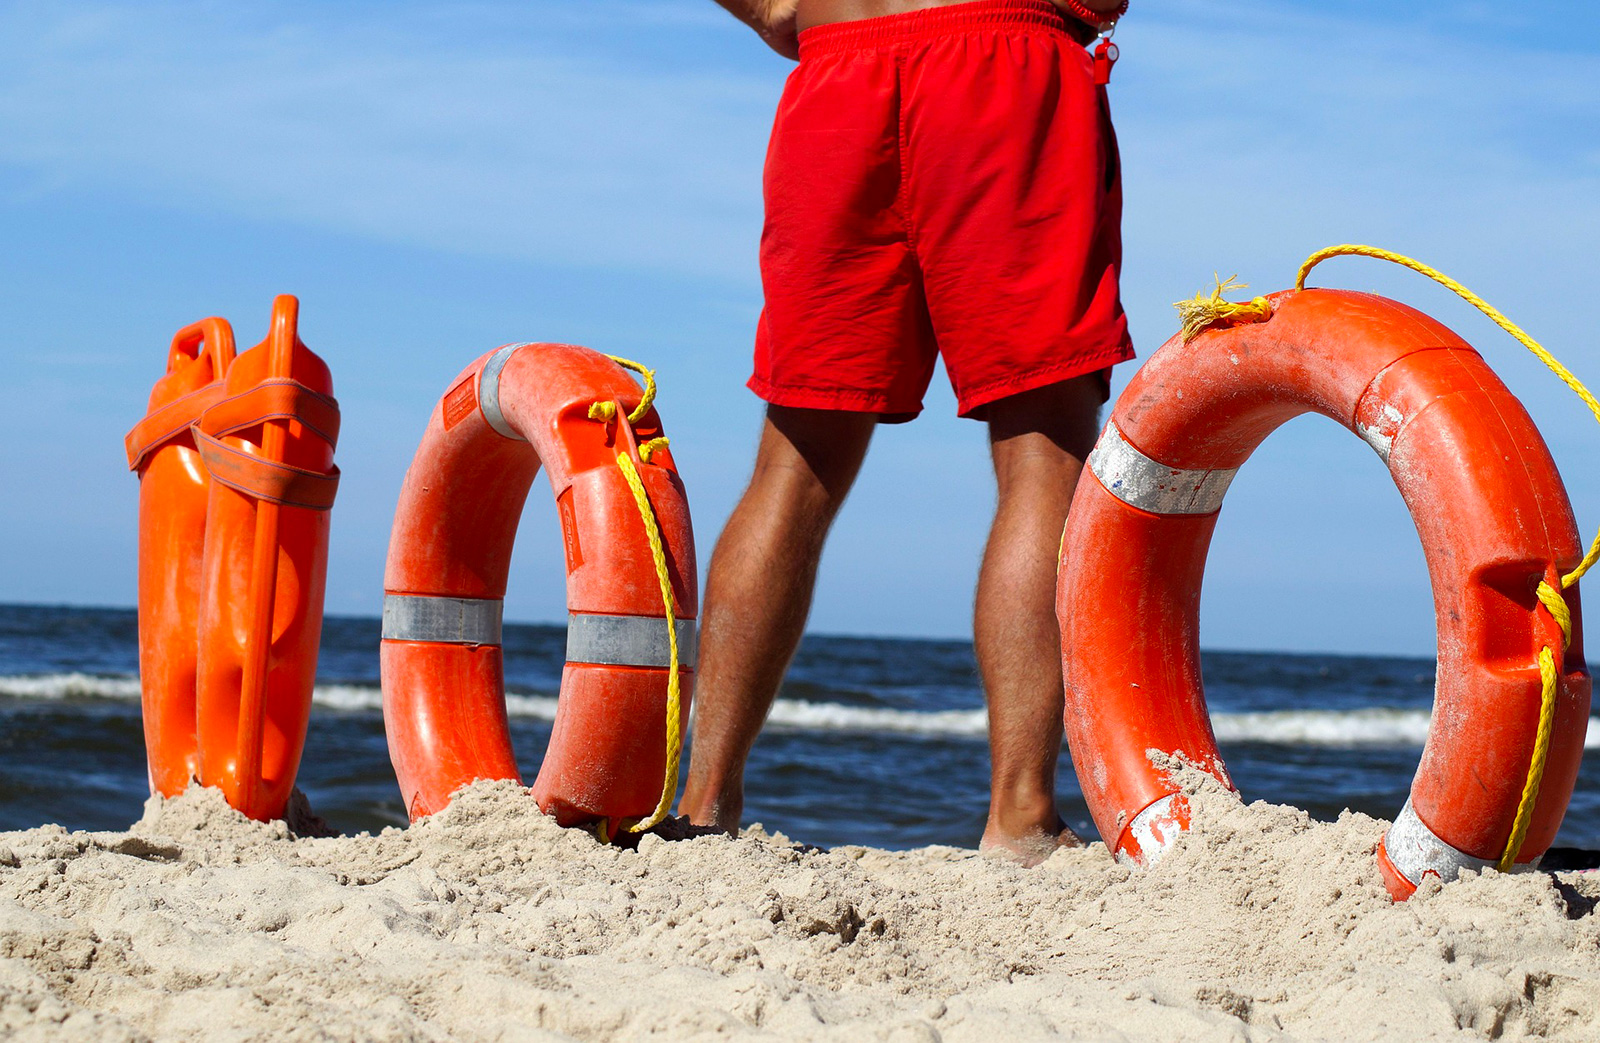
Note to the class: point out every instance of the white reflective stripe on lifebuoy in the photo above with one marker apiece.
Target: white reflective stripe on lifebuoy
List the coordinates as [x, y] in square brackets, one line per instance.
[1415, 850]
[1150, 485]
[489, 391]
[1155, 830]
[627, 641]
[455, 621]
[1381, 433]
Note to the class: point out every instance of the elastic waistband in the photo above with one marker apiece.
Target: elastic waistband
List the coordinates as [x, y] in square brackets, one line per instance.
[931, 22]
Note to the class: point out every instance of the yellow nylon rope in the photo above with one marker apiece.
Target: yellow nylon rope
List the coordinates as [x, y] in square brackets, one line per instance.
[1549, 597]
[1552, 600]
[1549, 677]
[1204, 311]
[606, 412]
[647, 449]
[649, 396]
[669, 783]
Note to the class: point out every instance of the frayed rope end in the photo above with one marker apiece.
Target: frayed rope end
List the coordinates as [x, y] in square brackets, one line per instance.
[1204, 312]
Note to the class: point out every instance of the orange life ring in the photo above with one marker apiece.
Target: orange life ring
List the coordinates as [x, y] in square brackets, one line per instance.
[235, 588]
[1486, 499]
[173, 490]
[574, 411]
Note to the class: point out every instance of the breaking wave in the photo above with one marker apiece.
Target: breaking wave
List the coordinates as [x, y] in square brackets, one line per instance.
[1370, 727]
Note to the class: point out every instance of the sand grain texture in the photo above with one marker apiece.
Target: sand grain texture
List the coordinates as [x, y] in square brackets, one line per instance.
[488, 922]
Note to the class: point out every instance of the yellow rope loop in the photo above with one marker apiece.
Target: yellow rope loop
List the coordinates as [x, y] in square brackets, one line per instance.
[648, 449]
[652, 530]
[649, 396]
[1202, 312]
[1552, 600]
[1549, 676]
[1494, 315]
[606, 412]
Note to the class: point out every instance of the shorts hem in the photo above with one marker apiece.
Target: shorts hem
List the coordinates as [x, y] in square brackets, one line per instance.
[848, 400]
[973, 400]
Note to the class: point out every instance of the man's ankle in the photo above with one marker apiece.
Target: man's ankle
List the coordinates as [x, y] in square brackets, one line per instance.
[716, 806]
[1019, 814]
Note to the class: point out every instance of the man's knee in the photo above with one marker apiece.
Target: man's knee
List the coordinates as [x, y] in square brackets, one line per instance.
[1040, 439]
[816, 453]
[1066, 413]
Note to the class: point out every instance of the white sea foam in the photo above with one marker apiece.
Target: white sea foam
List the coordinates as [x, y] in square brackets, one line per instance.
[1376, 726]
[803, 716]
[69, 686]
[1371, 727]
[348, 697]
[540, 707]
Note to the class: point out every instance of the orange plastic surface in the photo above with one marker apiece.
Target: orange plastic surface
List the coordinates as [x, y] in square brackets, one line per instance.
[444, 704]
[1488, 504]
[264, 576]
[173, 491]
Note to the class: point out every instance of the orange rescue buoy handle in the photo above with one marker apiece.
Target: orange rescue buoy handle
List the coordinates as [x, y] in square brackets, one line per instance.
[210, 339]
[512, 411]
[1487, 501]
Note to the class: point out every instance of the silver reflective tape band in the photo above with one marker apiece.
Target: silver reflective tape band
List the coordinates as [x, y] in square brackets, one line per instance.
[627, 640]
[457, 621]
[489, 391]
[1141, 482]
[1155, 830]
[1416, 850]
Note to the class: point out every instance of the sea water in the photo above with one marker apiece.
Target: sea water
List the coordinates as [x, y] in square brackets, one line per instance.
[873, 741]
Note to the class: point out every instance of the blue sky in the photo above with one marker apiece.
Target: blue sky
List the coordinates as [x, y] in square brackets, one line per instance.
[435, 180]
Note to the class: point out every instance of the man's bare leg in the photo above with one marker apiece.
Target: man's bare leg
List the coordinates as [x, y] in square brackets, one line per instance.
[1038, 440]
[758, 594]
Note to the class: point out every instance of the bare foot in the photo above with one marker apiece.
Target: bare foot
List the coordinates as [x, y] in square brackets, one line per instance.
[704, 807]
[1030, 847]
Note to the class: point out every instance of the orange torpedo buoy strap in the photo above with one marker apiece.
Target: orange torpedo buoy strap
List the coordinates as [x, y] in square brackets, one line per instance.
[274, 482]
[168, 422]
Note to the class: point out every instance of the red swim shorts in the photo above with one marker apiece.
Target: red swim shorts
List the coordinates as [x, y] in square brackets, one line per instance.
[939, 182]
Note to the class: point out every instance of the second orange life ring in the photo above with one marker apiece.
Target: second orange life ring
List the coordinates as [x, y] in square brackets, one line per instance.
[572, 411]
[1486, 499]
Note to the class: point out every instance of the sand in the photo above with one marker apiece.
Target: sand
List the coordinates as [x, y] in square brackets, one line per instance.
[488, 922]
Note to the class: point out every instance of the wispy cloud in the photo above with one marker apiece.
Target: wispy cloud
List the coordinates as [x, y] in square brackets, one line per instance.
[1296, 126]
[497, 135]
[1289, 125]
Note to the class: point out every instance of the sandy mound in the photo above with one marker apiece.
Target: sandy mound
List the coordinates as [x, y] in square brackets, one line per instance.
[488, 922]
